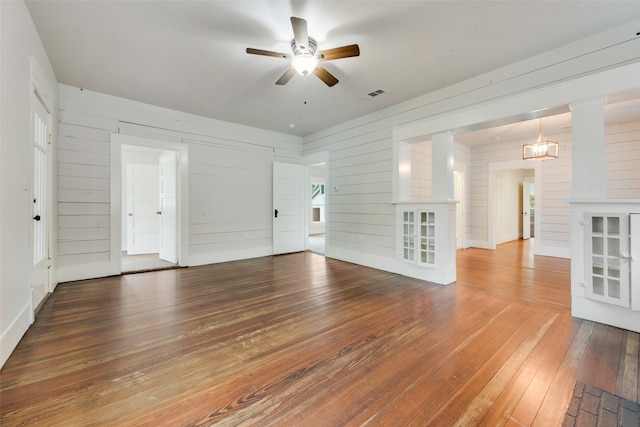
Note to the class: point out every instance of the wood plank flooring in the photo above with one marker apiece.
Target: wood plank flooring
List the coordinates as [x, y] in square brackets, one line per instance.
[304, 340]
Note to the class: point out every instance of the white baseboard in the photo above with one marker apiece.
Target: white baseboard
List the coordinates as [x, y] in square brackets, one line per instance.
[391, 265]
[70, 273]
[608, 314]
[480, 244]
[14, 333]
[553, 251]
[217, 257]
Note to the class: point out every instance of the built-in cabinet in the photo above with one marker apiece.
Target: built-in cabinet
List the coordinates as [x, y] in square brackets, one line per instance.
[605, 265]
[426, 240]
[419, 237]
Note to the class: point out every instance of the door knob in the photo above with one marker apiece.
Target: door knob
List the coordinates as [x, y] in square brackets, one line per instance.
[37, 217]
[130, 214]
[159, 212]
[276, 213]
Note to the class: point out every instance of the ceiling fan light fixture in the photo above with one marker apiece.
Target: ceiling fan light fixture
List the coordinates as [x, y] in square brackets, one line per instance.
[304, 63]
[540, 149]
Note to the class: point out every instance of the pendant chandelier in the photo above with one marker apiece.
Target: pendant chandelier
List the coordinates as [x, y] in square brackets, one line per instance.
[540, 149]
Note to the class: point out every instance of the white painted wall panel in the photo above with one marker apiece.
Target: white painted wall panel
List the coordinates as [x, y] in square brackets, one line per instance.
[230, 178]
[623, 161]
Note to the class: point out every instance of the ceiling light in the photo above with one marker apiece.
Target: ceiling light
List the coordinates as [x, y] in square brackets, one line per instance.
[540, 149]
[304, 63]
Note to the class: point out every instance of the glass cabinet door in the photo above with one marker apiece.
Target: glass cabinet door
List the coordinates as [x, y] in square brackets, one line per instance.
[419, 237]
[607, 263]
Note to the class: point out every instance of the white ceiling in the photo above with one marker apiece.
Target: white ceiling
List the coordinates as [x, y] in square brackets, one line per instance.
[190, 55]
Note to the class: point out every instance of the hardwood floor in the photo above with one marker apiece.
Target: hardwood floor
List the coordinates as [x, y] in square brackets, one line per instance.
[307, 341]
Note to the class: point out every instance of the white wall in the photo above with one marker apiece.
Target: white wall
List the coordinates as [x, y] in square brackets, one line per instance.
[230, 178]
[421, 171]
[623, 161]
[362, 226]
[19, 43]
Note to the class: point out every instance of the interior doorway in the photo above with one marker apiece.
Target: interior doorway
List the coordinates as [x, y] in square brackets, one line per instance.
[149, 204]
[510, 186]
[318, 207]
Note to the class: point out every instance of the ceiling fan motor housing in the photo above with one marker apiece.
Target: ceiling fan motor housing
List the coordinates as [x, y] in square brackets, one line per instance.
[312, 46]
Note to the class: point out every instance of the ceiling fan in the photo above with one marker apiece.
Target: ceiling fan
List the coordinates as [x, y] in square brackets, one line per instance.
[305, 58]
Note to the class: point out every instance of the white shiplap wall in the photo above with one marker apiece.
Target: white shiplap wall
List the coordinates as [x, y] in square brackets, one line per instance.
[362, 220]
[360, 213]
[230, 179]
[421, 170]
[623, 161]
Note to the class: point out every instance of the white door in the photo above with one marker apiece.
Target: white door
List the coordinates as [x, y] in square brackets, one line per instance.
[289, 230]
[526, 208]
[40, 131]
[143, 221]
[168, 203]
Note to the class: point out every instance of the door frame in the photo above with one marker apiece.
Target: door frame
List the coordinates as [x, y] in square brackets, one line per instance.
[313, 159]
[459, 190]
[41, 89]
[182, 187]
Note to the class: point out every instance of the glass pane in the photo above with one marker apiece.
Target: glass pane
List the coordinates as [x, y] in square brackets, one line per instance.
[411, 254]
[613, 247]
[432, 217]
[423, 230]
[431, 258]
[597, 245]
[614, 289]
[423, 217]
[597, 270]
[432, 231]
[405, 216]
[596, 224]
[598, 286]
[423, 257]
[613, 272]
[613, 225]
[411, 229]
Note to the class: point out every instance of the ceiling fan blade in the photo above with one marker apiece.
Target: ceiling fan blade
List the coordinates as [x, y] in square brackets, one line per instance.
[325, 76]
[267, 53]
[300, 33]
[286, 76]
[339, 52]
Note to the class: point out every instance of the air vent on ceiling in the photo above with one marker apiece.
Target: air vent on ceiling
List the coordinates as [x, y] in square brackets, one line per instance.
[376, 92]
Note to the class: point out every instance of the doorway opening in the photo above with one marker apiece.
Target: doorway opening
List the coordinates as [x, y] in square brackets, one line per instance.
[149, 205]
[318, 205]
[512, 202]
[148, 228]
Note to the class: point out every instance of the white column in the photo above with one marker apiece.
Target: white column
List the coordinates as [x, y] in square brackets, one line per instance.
[442, 166]
[588, 167]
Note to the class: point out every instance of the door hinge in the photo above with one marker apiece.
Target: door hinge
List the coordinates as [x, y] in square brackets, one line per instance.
[50, 139]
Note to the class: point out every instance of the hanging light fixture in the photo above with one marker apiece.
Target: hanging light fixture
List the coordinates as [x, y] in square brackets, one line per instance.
[304, 63]
[540, 149]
